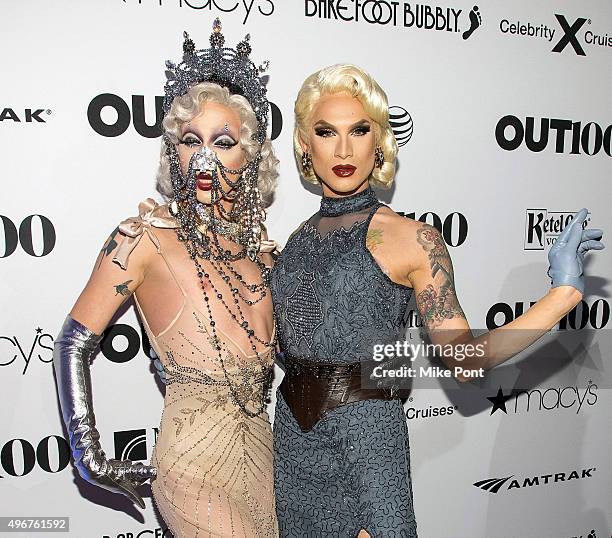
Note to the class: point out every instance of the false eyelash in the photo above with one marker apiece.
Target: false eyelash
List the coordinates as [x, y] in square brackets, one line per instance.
[189, 141]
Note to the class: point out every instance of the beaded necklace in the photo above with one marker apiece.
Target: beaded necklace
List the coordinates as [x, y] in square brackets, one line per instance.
[199, 230]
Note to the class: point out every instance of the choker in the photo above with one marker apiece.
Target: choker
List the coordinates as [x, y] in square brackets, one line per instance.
[333, 207]
[232, 230]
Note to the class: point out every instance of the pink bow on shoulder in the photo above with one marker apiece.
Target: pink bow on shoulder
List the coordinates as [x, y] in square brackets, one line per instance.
[150, 213]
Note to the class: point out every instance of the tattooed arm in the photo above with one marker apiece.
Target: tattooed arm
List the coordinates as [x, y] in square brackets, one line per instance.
[436, 297]
[109, 285]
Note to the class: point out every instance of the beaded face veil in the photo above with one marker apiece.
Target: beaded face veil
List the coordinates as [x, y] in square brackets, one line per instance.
[199, 227]
[232, 69]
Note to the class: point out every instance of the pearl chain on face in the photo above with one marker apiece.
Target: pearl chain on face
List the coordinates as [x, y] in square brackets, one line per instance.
[199, 231]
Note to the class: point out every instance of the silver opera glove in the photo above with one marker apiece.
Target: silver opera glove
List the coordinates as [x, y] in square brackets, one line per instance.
[71, 353]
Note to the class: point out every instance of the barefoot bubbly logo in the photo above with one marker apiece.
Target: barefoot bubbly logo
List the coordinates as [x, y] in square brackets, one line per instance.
[396, 13]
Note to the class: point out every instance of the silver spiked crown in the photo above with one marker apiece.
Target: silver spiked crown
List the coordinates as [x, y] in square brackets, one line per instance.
[225, 66]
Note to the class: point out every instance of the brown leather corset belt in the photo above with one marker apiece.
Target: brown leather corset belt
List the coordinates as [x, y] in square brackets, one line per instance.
[311, 388]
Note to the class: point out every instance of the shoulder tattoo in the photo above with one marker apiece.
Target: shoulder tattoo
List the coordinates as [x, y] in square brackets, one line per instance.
[109, 246]
[438, 301]
[374, 238]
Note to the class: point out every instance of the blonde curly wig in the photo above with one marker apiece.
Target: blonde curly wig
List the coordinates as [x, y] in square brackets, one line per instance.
[187, 106]
[355, 81]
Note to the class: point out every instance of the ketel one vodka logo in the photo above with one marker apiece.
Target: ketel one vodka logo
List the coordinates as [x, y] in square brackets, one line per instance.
[543, 226]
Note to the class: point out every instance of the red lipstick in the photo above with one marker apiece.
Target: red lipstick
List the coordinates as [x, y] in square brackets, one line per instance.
[204, 181]
[344, 170]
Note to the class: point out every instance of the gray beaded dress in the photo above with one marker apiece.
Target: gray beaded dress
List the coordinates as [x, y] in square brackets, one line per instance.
[333, 303]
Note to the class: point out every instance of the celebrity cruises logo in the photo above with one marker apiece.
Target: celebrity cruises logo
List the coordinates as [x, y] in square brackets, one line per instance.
[494, 485]
[568, 34]
[399, 14]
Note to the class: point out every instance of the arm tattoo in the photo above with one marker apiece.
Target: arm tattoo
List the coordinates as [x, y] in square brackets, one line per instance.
[373, 238]
[109, 246]
[122, 289]
[438, 303]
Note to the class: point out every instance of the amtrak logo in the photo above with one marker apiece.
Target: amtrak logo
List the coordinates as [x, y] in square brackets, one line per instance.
[494, 485]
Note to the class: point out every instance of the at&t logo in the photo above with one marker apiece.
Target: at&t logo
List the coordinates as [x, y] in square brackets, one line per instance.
[401, 124]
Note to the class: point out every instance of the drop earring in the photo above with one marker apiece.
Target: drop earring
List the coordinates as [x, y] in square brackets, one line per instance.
[379, 157]
[306, 163]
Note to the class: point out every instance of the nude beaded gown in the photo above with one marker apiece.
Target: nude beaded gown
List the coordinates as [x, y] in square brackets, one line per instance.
[214, 463]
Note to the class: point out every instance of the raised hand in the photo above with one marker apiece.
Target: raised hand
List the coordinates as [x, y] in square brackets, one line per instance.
[566, 256]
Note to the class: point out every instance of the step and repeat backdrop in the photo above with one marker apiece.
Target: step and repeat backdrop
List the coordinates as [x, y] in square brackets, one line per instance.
[502, 114]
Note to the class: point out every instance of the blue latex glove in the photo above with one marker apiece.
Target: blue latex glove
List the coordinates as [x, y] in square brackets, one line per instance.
[567, 254]
[159, 367]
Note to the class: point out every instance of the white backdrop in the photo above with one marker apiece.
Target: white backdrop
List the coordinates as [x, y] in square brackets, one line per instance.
[66, 186]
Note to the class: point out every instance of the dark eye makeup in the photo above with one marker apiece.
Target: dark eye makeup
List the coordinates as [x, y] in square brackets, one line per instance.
[190, 141]
[223, 141]
[325, 131]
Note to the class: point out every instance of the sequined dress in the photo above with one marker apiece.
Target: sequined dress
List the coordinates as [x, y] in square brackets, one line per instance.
[333, 303]
[214, 463]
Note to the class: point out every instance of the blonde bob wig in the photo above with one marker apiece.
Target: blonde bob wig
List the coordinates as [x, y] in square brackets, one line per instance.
[355, 81]
[189, 105]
